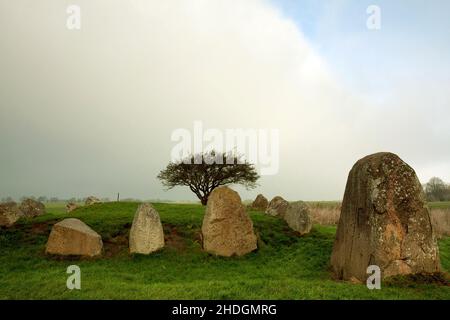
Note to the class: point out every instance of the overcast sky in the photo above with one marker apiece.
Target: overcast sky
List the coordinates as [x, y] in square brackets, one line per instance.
[91, 111]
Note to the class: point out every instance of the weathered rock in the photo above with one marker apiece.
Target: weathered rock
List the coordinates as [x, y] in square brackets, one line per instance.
[298, 218]
[71, 206]
[146, 234]
[9, 214]
[31, 208]
[73, 237]
[227, 229]
[277, 207]
[260, 203]
[384, 222]
[91, 200]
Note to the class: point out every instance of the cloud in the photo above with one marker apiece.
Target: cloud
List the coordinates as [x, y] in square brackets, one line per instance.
[92, 112]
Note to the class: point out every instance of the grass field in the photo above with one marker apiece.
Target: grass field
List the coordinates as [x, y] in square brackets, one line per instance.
[284, 267]
[439, 205]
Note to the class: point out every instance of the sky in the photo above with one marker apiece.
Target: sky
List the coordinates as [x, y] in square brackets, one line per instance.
[92, 111]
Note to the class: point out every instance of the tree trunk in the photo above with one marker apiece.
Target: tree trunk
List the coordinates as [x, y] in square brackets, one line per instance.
[204, 200]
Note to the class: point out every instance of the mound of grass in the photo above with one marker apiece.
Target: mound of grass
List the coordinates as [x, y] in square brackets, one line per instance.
[286, 266]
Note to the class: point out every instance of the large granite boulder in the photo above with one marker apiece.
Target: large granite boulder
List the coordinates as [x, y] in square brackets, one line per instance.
[9, 214]
[277, 207]
[31, 208]
[384, 222]
[91, 200]
[73, 237]
[260, 203]
[146, 234]
[227, 229]
[298, 218]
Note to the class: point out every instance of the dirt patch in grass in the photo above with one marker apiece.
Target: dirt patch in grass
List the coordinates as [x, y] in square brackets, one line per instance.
[31, 233]
[437, 278]
[42, 228]
[36, 228]
[198, 237]
[115, 245]
[174, 238]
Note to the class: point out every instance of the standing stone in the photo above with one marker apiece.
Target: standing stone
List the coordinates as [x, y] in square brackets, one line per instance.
[297, 217]
[146, 234]
[9, 214]
[277, 207]
[71, 206]
[31, 208]
[260, 203]
[227, 229]
[384, 222]
[91, 200]
[73, 237]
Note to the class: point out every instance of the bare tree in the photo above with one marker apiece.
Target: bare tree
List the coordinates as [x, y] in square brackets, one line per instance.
[437, 190]
[204, 172]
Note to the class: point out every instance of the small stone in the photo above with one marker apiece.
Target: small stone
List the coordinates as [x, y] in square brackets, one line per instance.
[298, 218]
[9, 214]
[31, 208]
[71, 206]
[91, 200]
[277, 207]
[260, 203]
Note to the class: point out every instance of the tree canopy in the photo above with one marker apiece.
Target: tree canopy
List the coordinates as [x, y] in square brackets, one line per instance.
[204, 172]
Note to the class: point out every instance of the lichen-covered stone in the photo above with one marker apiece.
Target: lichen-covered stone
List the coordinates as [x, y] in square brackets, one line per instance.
[71, 206]
[146, 234]
[227, 229]
[31, 208]
[91, 200]
[260, 203]
[384, 222]
[277, 207]
[298, 218]
[9, 214]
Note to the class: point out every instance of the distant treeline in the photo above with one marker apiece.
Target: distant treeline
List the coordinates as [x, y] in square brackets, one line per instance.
[49, 199]
[45, 199]
[437, 190]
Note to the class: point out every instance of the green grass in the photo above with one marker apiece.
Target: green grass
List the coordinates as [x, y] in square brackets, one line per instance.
[284, 267]
[439, 205]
